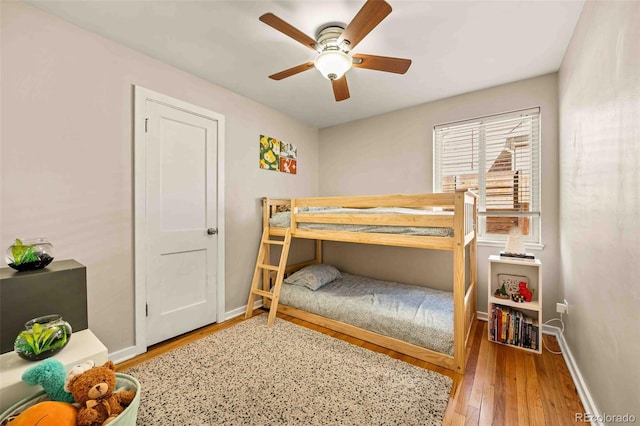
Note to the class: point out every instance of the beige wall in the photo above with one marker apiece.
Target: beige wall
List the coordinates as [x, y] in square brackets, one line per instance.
[66, 157]
[599, 90]
[392, 153]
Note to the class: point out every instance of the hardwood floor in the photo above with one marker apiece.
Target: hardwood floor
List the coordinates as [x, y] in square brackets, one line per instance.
[501, 385]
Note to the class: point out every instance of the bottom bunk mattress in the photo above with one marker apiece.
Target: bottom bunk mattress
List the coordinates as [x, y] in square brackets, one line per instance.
[413, 314]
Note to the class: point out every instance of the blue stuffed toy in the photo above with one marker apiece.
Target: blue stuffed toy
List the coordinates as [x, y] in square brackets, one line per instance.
[50, 374]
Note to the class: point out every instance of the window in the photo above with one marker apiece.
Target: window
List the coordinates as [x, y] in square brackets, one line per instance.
[498, 157]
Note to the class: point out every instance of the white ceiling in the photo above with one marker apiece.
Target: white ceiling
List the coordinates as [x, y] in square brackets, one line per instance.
[456, 46]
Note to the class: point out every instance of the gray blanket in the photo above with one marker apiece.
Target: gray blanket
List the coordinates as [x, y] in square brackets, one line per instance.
[283, 220]
[413, 314]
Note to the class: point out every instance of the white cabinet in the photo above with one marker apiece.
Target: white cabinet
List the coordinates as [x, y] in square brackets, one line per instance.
[511, 322]
[83, 345]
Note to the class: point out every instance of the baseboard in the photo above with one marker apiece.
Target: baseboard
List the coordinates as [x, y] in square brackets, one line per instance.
[590, 410]
[241, 310]
[126, 354]
[123, 355]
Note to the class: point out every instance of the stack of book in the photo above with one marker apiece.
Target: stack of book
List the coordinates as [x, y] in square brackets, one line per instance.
[512, 327]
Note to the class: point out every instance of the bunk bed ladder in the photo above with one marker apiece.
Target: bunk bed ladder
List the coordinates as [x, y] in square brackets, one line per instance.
[263, 265]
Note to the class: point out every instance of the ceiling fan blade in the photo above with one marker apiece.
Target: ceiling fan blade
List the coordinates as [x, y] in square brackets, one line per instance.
[371, 14]
[340, 88]
[288, 29]
[381, 63]
[292, 71]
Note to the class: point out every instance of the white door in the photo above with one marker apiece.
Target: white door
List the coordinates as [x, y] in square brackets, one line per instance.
[181, 221]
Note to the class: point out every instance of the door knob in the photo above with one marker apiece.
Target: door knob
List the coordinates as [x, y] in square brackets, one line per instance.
[212, 231]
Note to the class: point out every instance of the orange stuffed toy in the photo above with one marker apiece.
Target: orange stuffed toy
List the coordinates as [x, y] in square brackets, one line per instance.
[94, 389]
[47, 413]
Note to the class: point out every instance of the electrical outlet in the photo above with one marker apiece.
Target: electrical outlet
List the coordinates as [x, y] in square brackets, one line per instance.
[566, 307]
[562, 308]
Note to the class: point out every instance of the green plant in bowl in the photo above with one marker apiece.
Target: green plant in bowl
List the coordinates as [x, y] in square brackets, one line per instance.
[28, 255]
[23, 254]
[43, 337]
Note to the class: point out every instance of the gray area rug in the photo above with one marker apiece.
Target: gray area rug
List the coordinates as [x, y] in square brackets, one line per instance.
[251, 374]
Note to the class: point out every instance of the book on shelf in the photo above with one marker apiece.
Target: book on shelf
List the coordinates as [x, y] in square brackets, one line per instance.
[511, 326]
[503, 336]
[530, 257]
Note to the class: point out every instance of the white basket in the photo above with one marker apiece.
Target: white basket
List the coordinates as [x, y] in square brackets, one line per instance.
[126, 418]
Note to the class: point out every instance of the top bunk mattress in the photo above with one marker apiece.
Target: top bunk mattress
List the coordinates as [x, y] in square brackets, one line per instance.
[283, 220]
[413, 314]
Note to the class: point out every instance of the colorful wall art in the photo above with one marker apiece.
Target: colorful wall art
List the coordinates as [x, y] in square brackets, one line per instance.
[277, 155]
[288, 158]
[269, 153]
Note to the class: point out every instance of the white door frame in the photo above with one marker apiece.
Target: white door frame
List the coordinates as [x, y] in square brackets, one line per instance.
[141, 96]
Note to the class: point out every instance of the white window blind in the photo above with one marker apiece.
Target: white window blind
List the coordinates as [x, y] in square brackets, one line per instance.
[498, 157]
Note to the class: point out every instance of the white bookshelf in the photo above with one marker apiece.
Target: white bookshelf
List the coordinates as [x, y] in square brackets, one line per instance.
[532, 270]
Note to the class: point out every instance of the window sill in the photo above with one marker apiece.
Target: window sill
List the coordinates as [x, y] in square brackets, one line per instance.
[501, 244]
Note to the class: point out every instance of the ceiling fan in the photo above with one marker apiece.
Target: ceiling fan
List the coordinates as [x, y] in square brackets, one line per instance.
[334, 43]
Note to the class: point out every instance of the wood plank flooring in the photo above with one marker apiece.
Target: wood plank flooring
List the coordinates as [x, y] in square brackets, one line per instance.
[501, 385]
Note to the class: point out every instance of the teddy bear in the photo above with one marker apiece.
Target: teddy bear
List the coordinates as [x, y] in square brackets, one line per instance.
[93, 388]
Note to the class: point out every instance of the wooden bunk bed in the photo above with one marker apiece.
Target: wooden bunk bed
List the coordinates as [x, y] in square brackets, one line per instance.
[456, 211]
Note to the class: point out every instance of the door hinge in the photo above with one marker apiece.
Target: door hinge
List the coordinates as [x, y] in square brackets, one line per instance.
[146, 125]
[146, 309]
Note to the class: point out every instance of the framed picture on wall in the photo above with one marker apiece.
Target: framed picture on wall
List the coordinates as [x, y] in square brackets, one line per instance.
[278, 155]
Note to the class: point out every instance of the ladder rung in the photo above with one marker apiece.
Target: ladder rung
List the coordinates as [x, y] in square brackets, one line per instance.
[270, 267]
[278, 231]
[263, 293]
[263, 257]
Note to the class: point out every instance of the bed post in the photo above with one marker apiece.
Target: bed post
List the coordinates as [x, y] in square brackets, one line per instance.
[473, 270]
[294, 212]
[266, 276]
[318, 251]
[459, 333]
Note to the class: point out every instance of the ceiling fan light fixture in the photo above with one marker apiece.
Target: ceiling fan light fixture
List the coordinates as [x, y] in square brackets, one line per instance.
[332, 64]
[333, 43]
